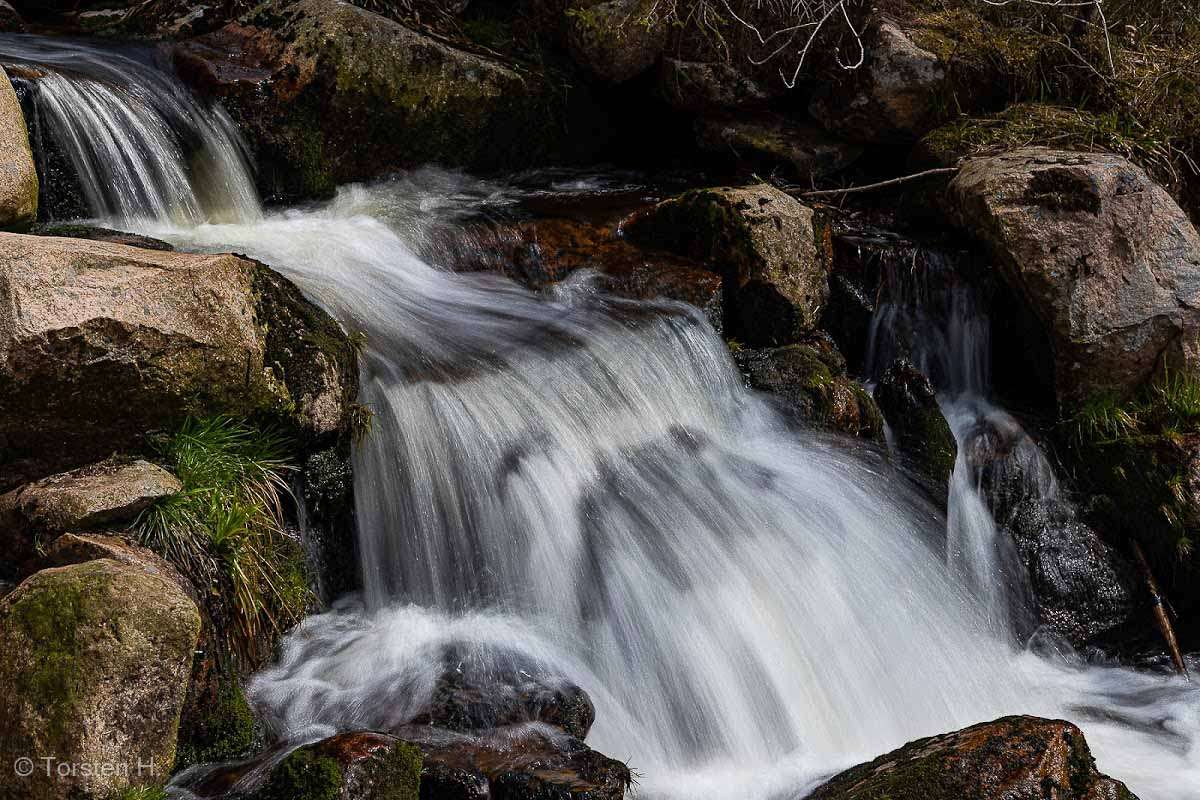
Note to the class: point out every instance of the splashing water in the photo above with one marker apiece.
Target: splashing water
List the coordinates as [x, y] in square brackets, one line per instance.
[583, 481]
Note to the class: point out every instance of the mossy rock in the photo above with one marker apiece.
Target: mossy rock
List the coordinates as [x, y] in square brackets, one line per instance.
[217, 727]
[95, 660]
[350, 766]
[763, 244]
[910, 406]
[1011, 757]
[810, 385]
[347, 95]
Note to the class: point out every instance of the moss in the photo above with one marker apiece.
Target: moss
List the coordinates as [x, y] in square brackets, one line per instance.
[139, 793]
[399, 773]
[303, 776]
[223, 730]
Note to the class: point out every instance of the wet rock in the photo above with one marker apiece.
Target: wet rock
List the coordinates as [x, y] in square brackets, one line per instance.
[772, 141]
[328, 93]
[527, 762]
[18, 176]
[1107, 261]
[615, 40]
[95, 658]
[464, 701]
[91, 497]
[79, 548]
[810, 384]
[349, 766]
[909, 404]
[706, 86]
[1013, 757]
[1081, 588]
[101, 343]
[98, 234]
[760, 240]
[890, 98]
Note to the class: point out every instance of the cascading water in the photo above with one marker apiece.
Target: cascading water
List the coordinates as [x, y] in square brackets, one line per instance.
[579, 484]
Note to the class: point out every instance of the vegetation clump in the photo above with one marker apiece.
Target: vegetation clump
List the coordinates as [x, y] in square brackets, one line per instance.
[1139, 451]
[225, 529]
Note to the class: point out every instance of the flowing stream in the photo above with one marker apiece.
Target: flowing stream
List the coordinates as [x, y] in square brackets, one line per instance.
[580, 484]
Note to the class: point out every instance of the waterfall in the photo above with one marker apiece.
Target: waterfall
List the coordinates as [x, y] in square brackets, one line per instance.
[580, 485]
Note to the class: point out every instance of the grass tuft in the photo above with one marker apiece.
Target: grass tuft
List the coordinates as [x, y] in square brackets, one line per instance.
[225, 529]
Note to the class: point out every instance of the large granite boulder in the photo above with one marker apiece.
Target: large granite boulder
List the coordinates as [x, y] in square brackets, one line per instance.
[95, 659]
[100, 343]
[1106, 260]
[328, 93]
[1013, 757]
[18, 176]
[761, 241]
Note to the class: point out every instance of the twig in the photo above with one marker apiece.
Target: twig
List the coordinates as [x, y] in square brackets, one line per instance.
[1160, 613]
[870, 187]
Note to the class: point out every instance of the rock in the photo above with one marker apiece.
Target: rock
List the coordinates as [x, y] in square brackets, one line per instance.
[349, 766]
[615, 40]
[79, 548]
[696, 287]
[91, 497]
[18, 176]
[760, 240]
[100, 343]
[10, 20]
[1107, 261]
[328, 93]
[810, 384]
[890, 99]
[909, 404]
[769, 141]
[1013, 757]
[524, 762]
[95, 658]
[98, 234]
[465, 701]
[528, 762]
[1081, 588]
[706, 86]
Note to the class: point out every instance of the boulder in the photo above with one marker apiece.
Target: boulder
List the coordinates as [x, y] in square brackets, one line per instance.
[91, 497]
[1106, 260]
[524, 762]
[1012, 757]
[100, 343]
[98, 234]
[809, 384]
[890, 99]
[921, 433]
[328, 93]
[615, 40]
[760, 240]
[10, 19]
[772, 142]
[79, 548]
[349, 766]
[706, 86]
[18, 176]
[95, 658]
[468, 700]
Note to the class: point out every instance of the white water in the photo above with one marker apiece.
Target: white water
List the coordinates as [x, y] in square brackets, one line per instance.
[581, 483]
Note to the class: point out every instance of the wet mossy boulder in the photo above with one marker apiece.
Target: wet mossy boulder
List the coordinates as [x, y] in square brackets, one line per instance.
[763, 244]
[810, 385]
[1107, 262]
[18, 176]
[329, 93]
[102, 343]
[95, 660]
[909, 404]
[349, 766]
[772, 143]
[1012, 757]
